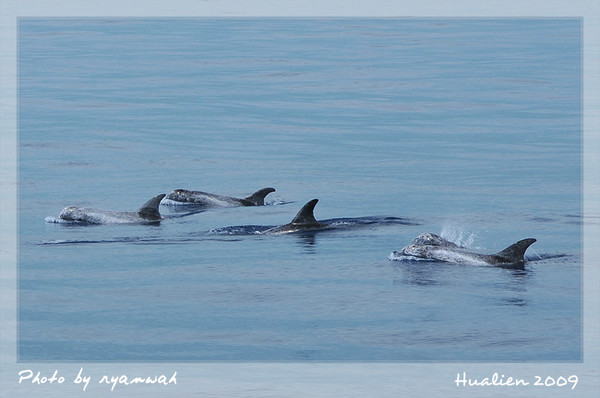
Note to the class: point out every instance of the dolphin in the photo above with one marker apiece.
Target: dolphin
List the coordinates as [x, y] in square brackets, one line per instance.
[148, 213]
[303, 221]
[205, 199]
[433, 247]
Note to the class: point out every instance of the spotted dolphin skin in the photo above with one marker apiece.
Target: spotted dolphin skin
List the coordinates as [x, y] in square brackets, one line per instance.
[303, 221]
[205, 199]
[148, 213]
[434, 247]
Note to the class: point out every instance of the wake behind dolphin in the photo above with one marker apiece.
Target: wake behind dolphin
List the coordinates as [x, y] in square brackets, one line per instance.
[147, 213]
[433, 247]
[305, 221]
[205, 199]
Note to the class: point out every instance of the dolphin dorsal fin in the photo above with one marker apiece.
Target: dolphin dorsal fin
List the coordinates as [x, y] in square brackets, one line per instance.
[149, 210]
[516, 252]
[305, 215]
[258, 197]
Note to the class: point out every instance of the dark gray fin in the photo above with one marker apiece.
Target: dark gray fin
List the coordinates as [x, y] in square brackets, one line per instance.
[305, 215]
[258, 197]
[149, 210]
[515, 253]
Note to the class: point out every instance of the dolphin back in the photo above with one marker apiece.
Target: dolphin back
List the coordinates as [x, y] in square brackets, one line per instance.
[258, 197]
[149, 210]
[515, 253]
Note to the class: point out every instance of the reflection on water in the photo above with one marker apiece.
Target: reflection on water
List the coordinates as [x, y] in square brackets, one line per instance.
[425, 273]
[511, 287]
[417, 276]
[514, 301]
[307, 239]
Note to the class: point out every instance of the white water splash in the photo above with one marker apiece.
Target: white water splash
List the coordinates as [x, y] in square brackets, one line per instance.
[459, 236]
[57, 220]
[536, 253]
[276, 202]
[399, 256]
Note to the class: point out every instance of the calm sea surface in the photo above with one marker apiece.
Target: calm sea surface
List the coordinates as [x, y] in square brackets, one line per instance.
[471, 127]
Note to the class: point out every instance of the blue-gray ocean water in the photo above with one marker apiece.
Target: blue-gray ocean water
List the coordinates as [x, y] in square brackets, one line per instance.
[471, 128]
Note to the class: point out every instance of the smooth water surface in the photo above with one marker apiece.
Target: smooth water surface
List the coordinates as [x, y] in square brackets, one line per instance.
[470, 127]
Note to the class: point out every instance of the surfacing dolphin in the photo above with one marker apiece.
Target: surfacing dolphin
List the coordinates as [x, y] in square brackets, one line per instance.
[148, 213]
[305, 221]
[205, 199]
[433, 247]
